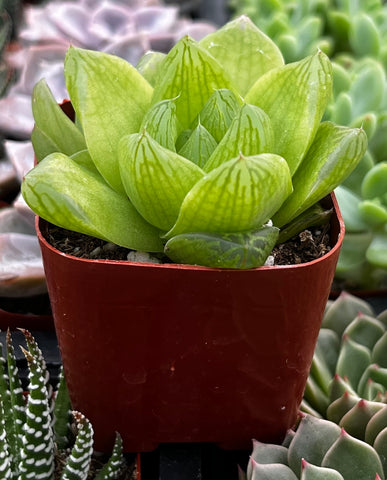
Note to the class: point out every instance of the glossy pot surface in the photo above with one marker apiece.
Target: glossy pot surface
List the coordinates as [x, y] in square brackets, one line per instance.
[180, 353]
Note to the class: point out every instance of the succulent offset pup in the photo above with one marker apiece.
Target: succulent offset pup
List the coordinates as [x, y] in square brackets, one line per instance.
[194, 152]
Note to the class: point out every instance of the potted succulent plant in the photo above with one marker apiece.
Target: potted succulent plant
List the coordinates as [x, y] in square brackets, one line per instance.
[188, 156]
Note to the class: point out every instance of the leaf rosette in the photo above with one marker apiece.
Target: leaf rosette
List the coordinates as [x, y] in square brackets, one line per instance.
[225, 138]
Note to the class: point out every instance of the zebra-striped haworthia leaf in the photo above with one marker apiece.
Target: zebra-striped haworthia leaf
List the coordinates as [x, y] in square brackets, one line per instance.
[190, 73]
[234, 250]
[199, 146]
[156, 179]
[78, 462]
[161, 123]
[236, 44]
[112, 468]
[240, 195]
[40, 448]
[110, 97]
[219, 111]
[250, 133]
[295, 97]
[82, 201]
[54, 131]
[335, 152]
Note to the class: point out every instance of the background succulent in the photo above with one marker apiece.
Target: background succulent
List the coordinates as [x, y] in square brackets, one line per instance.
[348, 377]
[36, 430]
[43, 35]
[353, 34]
[317, 450]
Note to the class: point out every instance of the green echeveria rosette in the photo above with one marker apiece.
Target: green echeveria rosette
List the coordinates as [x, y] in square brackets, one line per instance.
[191, 153]
[348, 377]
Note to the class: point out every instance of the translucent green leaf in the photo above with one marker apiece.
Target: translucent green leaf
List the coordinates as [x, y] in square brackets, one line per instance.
[233, 250]
[334, 153]
[240, 195]
[83, 158]
[244, 51]
[155, 179]
[295, 97]
[53, 129]
[161, 123]
[149, 66]
[190, 73]
[353, 459]
[313, 472]
[219, 111]
[199, 146]
[250, 133]
[110, 98]
[72, 197]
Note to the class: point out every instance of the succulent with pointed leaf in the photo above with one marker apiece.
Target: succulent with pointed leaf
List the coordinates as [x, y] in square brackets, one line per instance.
[348, 378]
[212, 149]
[31, 431]
[317, 450]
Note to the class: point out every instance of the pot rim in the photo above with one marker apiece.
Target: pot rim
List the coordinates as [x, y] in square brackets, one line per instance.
[178, 266]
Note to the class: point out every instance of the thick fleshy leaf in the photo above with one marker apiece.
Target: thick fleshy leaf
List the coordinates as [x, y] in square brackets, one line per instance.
[313, 472]
[377, 251]
[53, 129]
[272, 471]
[72, 197]
[373, 212]
[356, 419]
[219, 111]
[155, 179]
[161, 123]
[190, 73]
[313, 438]
[352, 361]
[83, 158]
[240, 195]
[234, 250]
[149, 66]
[353, 459]
[375, 181]
[244, 51]
[110, 98]
[335, 152]
[250, 133]
[295, 97]
[349, 207]
[199, 146]
[353, 251]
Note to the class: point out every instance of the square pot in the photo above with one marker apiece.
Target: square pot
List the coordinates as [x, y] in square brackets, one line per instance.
[183, 353]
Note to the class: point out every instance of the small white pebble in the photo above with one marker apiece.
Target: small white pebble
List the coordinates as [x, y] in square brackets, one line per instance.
[269, 261]
[141, 257]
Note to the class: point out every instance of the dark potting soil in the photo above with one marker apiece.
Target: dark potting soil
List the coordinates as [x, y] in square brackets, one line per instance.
[304, 247]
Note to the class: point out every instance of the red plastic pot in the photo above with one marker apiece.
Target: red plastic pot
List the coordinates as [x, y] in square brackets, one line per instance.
[180, 353]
